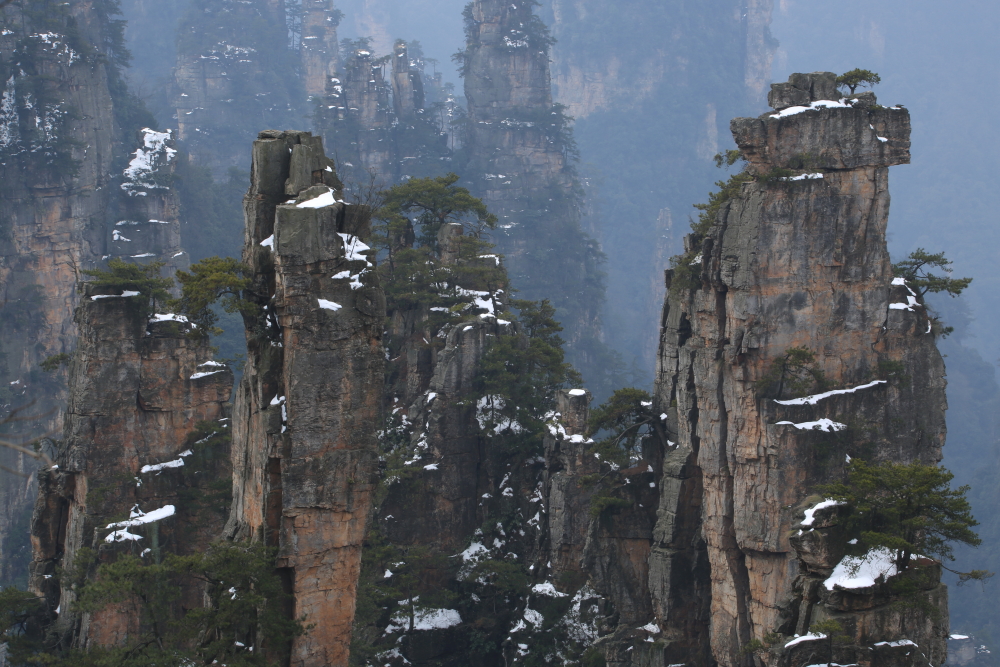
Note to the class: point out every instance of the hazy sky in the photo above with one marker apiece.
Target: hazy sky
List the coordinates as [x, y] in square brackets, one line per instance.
[942, 61]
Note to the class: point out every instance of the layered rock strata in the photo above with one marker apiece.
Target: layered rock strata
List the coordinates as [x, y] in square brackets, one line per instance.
[307, 409]
[127, 467]
[796, 259]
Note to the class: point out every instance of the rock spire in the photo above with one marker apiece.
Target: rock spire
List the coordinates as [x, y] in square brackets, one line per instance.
[307, 409]
[795, 258]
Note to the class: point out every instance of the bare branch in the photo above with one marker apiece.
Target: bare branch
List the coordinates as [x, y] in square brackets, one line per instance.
[40, 456]
[14, 472]
[14, 417]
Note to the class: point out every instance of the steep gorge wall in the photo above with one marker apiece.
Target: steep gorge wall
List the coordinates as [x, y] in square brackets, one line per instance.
[789, 263]
[651, 84]
[306, 411]
[58, 140]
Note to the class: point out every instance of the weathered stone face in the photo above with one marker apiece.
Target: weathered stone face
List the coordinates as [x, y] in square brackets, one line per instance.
[51, 219]
[148, 228]
[788, 264]
[306, 413]
[138, 388]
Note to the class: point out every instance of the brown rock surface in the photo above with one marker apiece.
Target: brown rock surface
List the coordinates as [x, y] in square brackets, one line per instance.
[57, 143]
[786, 264]
[307, 408]
[138, 388]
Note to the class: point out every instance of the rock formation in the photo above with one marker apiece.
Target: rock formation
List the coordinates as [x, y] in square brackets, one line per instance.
[127, 469]
[233, 60]
[319, 49]
[307, 409]
[57, 143]
[358, 116]
[374, 118]
[651, 85]
[149, 227]
[520, 152]
[795, 259]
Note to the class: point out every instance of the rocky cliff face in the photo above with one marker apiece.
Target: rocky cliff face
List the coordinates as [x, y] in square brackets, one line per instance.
[232, 74]
[618, 74]
[149, 226]
[128, 470]
[319, 50]
[375, 118]
[651, 85]
[57, 143]
[795, 259]
[307, 408]
[520, 152]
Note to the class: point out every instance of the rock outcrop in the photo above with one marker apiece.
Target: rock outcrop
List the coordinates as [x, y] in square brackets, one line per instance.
[127, 469]
[795, 259]
[307, 409]
[375, 119]
[233, 60]
[319, 50]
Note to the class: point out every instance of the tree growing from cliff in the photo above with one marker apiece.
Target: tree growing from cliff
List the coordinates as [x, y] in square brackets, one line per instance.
[909, 509]
[424, 205]
[794, 373]
[20, 628]
[142, 278]
[833, 631]
[242, 624]
[524, 369]
[858, 77]
[916, 270]
[210, 281]
[628, 418]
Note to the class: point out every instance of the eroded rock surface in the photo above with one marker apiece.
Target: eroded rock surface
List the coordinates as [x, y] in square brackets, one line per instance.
[127, 470]
[788, 264]
[57, 143]
[306, 411]
[148, 228]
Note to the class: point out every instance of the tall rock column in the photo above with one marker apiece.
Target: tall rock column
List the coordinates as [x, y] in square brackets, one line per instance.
[795, 259]
[126, 468]
[307, 408]
[236, 64]
[319, 49]
[520, 152]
